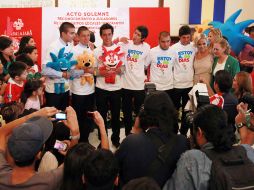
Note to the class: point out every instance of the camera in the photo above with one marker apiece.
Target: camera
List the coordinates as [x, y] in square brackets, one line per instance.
[60, 145]
[60, 116]
[248, 99]
[149, 88]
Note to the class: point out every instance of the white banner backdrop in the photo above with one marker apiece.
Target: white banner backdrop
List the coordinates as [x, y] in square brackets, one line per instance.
[89, 17]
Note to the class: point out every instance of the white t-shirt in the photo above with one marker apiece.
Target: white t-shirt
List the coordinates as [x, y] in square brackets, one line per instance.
[100, 80]
[134, 74]
[219, 67]
[33, 104]
[183, 68]
[75, 84]
[161, 70]
[55, 48]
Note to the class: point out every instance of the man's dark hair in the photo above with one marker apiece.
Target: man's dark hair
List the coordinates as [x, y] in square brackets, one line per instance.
[101, 170]
[144, 31]
[224, 80]
[25, 59]
[29, 49]
[142, 183]
[159, 111]
[16, 69]
[81, 29]
[213, 122]
[65, 26]
[184, 30]
[105, 27]
[92, 37]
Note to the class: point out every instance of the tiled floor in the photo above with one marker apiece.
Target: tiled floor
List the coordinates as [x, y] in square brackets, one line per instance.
[93, 138]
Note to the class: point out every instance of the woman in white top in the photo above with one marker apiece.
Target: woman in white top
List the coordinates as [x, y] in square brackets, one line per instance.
[203, 60]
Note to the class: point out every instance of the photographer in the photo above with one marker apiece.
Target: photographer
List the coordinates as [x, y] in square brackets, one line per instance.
[244, 122]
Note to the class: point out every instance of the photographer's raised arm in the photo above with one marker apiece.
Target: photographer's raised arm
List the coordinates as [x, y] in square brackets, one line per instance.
[72, 124]
[7, 129]
[100, 123]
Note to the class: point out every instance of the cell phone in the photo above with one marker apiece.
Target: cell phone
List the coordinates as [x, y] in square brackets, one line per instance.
[61, 116]
[60, 145]
[89, 115]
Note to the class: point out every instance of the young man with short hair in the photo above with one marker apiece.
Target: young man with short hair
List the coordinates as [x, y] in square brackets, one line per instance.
[60, 101]
[161, 60]
[183, 71]
[83, 98]
[108, 92]
[134, 75]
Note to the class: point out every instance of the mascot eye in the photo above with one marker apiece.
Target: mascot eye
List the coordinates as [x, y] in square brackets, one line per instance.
[89, 60]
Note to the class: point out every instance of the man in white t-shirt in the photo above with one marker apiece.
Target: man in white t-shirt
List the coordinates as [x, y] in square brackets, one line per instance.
[183, 71]
[60, 101]
[134, 76]
[108, 81]
[83, 99]
[161, 60]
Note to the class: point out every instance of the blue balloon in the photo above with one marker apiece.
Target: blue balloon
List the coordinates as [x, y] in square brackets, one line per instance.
[234, 32]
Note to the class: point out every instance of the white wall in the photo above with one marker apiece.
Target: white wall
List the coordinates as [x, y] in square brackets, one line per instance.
[179, 9]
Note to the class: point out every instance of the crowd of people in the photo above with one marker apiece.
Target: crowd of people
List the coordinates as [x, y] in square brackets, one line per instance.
[47, 114]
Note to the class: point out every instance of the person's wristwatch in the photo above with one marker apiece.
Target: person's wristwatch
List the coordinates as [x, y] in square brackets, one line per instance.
[239, 125]
[76, 137]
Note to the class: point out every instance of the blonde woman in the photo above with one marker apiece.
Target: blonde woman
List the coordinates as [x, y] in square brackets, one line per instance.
[213, 36]
[203, 60]
[222, 60]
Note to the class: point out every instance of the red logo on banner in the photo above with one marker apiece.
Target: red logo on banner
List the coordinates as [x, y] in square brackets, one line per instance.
[19, 22]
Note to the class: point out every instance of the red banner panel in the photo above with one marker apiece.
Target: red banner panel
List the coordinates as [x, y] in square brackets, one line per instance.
[156, 19]
[19, 22]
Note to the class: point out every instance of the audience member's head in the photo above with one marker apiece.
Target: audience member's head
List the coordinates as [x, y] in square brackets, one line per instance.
[32, 52]
[185, 35]
[31, 88]
[6, 49]
[25, 41]
[74, 166]
[101, 170]
[210, 124]
[222, 81]
[27, 140]
[25, 59]
[242, 84]
[159, 111]
[11, 111]
[17, 71]
[143, 183]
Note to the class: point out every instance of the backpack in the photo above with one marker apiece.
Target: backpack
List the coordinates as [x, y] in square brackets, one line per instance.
[164, 151]
[231, 169]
